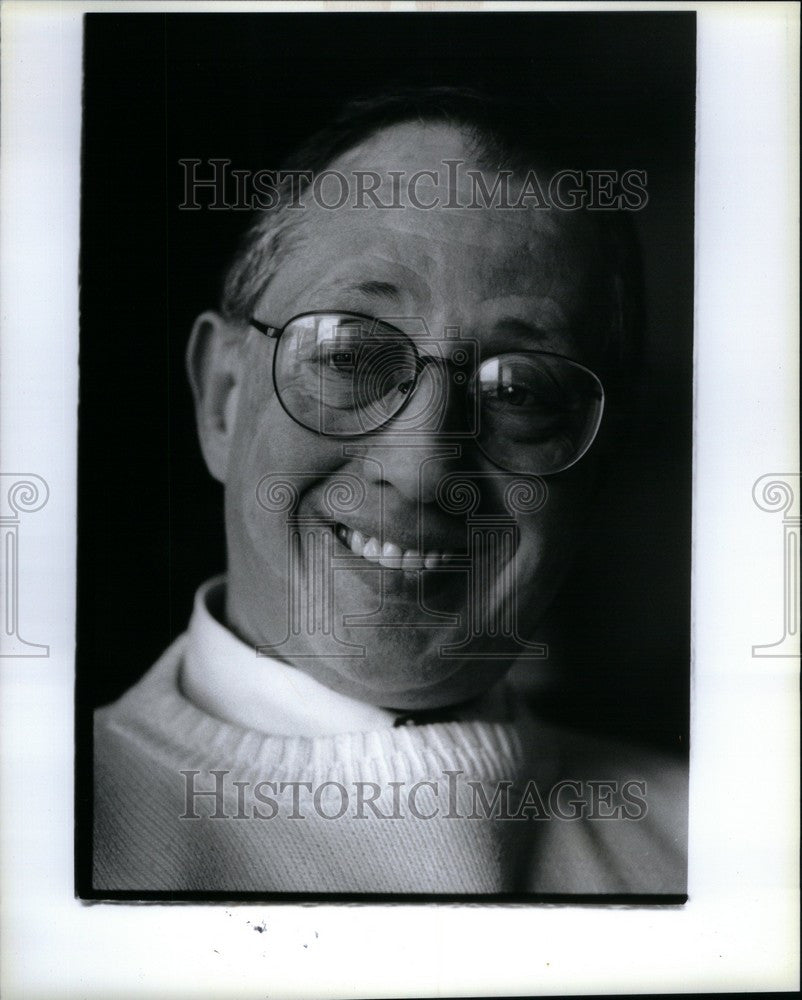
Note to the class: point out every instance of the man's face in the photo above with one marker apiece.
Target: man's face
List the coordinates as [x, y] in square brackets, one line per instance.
[309, 580]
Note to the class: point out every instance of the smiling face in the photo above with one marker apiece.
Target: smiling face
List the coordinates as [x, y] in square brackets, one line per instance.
[376, 565]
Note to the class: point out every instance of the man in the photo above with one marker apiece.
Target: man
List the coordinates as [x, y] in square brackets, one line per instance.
[404, 395]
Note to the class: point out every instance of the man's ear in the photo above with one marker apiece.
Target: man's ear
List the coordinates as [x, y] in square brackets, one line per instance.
[214, 369]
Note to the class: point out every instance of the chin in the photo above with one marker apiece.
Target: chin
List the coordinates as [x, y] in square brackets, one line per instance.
[453, 682]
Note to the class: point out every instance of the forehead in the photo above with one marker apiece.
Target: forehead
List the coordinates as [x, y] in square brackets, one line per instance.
[450, 262]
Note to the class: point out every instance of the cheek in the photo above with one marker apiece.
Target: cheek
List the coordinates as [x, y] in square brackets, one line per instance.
[548, 537]
[274, 463]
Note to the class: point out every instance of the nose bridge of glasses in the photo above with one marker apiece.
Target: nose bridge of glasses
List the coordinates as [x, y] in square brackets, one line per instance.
[448, 362]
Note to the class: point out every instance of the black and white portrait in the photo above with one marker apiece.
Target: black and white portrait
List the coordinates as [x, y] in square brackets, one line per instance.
[384, 549]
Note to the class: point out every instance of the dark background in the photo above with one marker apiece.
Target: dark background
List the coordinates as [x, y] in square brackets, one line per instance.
[159, 88]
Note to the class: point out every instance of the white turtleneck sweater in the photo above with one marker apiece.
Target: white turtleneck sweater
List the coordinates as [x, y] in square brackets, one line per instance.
[224, 771]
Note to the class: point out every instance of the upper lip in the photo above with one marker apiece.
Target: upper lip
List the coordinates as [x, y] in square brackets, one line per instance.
[405, 536]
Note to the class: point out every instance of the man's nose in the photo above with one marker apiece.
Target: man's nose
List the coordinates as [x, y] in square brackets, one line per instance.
[432, 436]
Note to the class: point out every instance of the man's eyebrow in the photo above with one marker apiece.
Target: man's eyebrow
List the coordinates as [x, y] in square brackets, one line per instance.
[376, 289]
[520, 329]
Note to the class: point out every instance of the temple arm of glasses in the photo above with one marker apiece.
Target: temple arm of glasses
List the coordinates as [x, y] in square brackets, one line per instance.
[268, 331]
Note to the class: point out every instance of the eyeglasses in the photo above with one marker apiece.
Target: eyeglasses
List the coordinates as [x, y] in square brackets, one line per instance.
[345, 375]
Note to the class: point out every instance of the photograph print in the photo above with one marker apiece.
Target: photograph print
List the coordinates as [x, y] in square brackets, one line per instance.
[384, 541]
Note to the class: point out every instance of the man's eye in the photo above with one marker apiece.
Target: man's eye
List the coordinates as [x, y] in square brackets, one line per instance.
[342, 360]
[521, 397]
[514, 395]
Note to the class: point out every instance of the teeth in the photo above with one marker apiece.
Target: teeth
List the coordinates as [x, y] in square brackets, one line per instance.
[412, 560]
[390, 555]
[372, 550]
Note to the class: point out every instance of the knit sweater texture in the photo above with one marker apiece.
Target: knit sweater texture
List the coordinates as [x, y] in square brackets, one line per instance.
[185, 801]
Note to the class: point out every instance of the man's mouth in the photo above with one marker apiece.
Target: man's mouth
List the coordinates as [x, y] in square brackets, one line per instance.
[390, 554]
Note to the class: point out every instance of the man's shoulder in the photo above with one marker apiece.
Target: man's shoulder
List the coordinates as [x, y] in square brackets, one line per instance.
[617, 817]
[158, 684]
